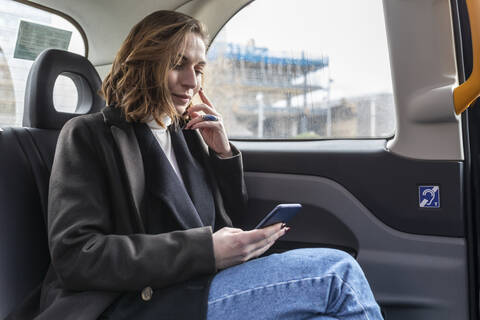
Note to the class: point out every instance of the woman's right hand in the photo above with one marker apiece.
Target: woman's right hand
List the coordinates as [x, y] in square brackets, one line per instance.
[233, 246]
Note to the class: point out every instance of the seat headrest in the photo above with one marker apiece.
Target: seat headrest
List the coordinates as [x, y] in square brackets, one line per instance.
[39, 108]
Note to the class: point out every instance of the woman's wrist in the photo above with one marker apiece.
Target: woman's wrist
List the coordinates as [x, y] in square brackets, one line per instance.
[227, 153]
[224, 155]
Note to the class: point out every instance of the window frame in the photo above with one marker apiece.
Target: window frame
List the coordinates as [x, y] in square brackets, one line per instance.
[387, 138]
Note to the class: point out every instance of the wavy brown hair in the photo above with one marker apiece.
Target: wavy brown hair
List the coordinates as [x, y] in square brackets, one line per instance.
[137, 82]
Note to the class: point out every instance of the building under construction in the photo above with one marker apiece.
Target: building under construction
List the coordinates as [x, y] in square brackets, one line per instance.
[250, 81]
[267, 95]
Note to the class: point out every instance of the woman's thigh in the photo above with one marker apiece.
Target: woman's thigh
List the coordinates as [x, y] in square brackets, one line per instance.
[298, 284]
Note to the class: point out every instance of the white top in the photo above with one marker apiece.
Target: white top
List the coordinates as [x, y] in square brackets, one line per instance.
[165, 141]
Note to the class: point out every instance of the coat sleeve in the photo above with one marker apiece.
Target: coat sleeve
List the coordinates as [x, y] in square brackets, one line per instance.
[231, 181]
[85, 252]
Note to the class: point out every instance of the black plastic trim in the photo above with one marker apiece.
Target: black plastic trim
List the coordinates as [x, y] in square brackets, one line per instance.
[387, 184]
[463, 48]
[471, 139]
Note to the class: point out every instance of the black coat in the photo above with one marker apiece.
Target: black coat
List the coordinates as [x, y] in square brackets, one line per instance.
[97, 236]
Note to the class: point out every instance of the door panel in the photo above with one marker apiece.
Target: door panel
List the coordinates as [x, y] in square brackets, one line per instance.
[386, 183]
[413, 275]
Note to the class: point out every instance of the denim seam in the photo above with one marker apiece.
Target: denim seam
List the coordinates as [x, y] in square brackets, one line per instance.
[294, 281]
[354, 293]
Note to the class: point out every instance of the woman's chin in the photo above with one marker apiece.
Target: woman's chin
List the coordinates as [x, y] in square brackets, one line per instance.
[180, 109]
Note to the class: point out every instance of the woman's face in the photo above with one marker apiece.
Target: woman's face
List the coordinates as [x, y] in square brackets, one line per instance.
[185, 80]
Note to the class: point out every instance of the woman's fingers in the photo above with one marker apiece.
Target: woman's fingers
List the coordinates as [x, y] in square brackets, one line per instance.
[205, 124]
[258, 235]
[196, 117]
[205, 99]
[260, 251]
[233, 246]
[199, 119]
[193, 115]
[250, 242]
[194, 120]
[203, 107]
[264, 244]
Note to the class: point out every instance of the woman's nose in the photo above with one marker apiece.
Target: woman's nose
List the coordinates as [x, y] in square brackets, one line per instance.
[189, 78]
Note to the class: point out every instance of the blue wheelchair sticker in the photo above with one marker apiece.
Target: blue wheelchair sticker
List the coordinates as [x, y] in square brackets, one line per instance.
[429, 196]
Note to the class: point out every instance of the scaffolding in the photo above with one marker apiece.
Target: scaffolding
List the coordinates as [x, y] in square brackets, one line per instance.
[262, 79]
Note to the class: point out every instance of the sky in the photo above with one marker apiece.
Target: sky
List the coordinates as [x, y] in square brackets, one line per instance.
[350, 32]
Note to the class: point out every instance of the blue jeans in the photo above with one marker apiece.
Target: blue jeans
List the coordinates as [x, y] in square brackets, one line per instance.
[298, 284]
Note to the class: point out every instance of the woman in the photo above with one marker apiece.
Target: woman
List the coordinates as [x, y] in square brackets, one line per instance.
[141, 204]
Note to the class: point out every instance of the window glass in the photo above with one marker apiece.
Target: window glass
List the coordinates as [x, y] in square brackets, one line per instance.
[65, 94]
[303, 69]
[24, 31]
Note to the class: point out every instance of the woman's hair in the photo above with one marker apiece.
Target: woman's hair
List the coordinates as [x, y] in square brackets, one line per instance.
[138, 80]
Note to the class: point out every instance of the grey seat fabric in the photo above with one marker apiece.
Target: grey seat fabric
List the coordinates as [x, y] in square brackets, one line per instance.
[25, 164]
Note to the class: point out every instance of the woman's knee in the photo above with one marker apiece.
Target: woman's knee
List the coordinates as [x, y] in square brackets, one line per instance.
[338, 268]
[321, 261]
[320, 255]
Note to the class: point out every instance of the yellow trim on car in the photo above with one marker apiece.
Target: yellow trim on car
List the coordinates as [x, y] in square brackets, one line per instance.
[467, 92]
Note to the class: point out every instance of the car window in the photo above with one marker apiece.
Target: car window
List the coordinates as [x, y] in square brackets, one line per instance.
[303, 69]
[24, 32]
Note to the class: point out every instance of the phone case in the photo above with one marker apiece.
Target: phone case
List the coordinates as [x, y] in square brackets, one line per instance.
[281, 213]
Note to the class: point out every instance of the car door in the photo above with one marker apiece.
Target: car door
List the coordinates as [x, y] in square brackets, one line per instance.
[381, 174]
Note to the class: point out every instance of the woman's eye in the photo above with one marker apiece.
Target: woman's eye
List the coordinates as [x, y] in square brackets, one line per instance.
[198, 72]
[178, 67]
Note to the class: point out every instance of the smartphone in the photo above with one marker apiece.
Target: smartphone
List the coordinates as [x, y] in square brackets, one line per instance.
[281, 213]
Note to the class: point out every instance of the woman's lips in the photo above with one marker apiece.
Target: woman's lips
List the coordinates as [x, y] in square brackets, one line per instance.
[183, 98]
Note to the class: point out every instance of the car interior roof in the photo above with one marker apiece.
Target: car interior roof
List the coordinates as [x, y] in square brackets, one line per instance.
[106, 23]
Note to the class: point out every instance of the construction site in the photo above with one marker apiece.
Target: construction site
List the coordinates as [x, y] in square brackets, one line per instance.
[267, 96]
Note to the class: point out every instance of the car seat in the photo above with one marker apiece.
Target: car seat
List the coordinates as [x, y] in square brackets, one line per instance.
[25, 165]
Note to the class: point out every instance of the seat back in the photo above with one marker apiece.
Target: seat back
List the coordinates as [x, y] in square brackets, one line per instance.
[25, 165]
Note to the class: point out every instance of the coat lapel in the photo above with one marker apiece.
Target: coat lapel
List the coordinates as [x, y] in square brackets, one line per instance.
[200, 151]
[163, 182]
[194, 176]
[126, 142]
[186, 205]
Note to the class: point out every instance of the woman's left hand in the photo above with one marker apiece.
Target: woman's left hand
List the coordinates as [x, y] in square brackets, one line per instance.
[213, 132]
